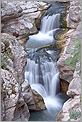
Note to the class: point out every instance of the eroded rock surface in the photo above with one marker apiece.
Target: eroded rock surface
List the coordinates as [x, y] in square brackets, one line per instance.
[18, 21]
[74, 14]
[19, 18]
[69, 66]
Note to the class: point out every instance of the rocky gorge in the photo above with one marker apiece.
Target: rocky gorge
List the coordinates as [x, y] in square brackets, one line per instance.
[70, 65]
[19, 20]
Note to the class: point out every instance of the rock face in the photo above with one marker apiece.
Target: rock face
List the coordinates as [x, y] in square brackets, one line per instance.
[19, 18]
[71, 110]
[69, 66]
[74, 14]
[17, 97]
[39, 102]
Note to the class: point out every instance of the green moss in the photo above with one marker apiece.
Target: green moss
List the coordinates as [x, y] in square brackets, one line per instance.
[5, 56]
[75, 114]
[60, 34]
[3, 61]
[63, 20]
[26, 35]
[75, 55]
[9, 53]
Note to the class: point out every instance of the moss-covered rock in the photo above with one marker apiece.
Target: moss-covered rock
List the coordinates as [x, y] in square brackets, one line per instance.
[6, 53]
[75, 55]
[75, 114]
[63, 21]
[60, 37]
[61, 34]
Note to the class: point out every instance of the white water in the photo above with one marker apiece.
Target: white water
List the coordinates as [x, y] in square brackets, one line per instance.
[49, 74]
[44, 76]
[49, 25]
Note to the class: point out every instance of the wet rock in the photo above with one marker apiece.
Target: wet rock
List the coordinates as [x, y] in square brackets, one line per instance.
[66, 73]
[39, 102]
[63, 1]
[37, 23]
[28, 97]
[63, 86]
[60, 37]
[33, 99]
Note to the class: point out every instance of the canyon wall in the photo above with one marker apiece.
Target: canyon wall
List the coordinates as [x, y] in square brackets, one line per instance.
[69, 65]
[18, 20]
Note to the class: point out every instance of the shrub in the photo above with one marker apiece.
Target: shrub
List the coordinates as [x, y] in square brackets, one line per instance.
[75, 114]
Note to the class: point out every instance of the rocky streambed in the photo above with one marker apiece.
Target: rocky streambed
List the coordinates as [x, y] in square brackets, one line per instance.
[19, 20]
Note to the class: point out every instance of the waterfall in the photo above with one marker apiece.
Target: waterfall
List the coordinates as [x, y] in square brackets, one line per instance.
[49, 74]
[49, 25]
[41, 71]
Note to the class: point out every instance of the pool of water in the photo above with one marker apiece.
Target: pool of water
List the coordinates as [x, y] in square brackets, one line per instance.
[50, 113]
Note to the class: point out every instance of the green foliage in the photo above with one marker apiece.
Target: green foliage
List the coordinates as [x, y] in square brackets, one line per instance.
[75, 55]
[75, 114]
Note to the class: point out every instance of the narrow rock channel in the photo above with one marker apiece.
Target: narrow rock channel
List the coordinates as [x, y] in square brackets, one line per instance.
[41, 71]
[40, 60]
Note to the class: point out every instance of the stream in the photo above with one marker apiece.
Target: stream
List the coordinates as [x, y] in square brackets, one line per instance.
[41, 71]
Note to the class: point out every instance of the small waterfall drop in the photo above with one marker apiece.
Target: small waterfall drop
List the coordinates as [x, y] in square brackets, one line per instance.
[41, 71]
[49, 23]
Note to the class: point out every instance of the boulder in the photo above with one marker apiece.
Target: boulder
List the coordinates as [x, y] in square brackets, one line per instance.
[71, 110]
[10, 98]
[12, 53]
[39, 101]
[75, 85]
[21, 111]
[33, 99]
[19, 18]
[69, 61]
[17, 95]
[14, 57]
[9, 11]
[64, 86]
[74, 14]
[66, 73]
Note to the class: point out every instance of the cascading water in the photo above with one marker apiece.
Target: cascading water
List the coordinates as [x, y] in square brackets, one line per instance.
[49, 25]
[41, 71]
